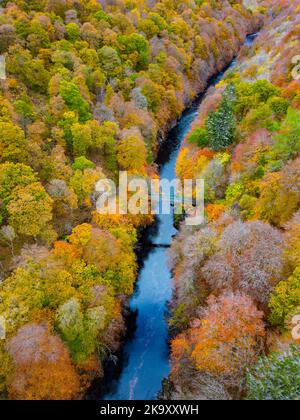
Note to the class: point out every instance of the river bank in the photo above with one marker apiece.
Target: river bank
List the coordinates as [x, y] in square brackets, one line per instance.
[146, 344]
[233, 325]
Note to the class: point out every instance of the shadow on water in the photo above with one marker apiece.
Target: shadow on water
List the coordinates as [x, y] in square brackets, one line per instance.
[144, 361]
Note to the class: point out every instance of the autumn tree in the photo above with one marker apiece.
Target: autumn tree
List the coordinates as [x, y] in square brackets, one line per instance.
[228, 351]
[31, 210]
[81, 163]
[135, 49]
[81, 139]
[292, 237]
[14, 176]
[249, 258]
[20, 60]
[109, 59]
[7, 37]
[43, 369]
[81, 330]
[285, 300]
[287, 143]
[64, 198]
[83, 184]
[279, 195]
[112, 257]
[12, 143]
[132, 153]
[74, 100]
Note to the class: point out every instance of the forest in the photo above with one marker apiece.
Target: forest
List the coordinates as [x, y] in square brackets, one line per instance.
[93, 88]
[237, 276]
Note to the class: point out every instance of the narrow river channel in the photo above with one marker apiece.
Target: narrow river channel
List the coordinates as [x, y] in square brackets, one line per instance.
[146, 353]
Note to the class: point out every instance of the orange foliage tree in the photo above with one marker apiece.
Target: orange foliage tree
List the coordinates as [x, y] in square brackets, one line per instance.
[43, 368]
[229, 335]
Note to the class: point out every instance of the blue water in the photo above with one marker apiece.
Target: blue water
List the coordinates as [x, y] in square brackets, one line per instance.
[146, 355]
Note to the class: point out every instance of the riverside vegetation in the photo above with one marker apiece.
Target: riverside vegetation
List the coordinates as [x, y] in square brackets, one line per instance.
[237, 299]
[92, 88]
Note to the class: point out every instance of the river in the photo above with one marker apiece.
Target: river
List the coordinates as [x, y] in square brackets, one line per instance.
[146, 354]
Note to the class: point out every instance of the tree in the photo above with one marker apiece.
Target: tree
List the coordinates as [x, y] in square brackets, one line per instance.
[199, 137]
[109, 60]
[70, 93]
[43, 369]
[25, 109]
[72, 30]
[30, 253]
[20, 60]
[279, 106]
[226, 339]
[81, 330]
[58, 7]
[265, 208]
[292, 237]
[149, 28]
[221, 125]
[263, 90]
[249, 258]
[251, 96]
[83, 184]
[111, 254]
[82, 139]
[89, 33]
[104, 140]
[12, 143]
[139, 99]
[102, 251]
[35, 285]
[249, 156]
[103, 113]
[102, 134]
[8, 234]
[280, 194]
[287, 143]
[81, 163]
[215, 211]
[7, 37]
[276, 377]
[81, 235]
[30, 210]
[135, 49]
[12, 176]
[215, 177]
[64, 198]
[285, 300]
[132, 153]
[38, 37]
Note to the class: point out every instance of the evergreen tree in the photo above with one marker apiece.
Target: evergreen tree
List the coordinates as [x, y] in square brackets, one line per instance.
[276, 377]
[221, 124]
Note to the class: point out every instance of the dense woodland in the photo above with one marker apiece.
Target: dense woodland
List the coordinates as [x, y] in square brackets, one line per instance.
[237, 277]
[92, 88]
